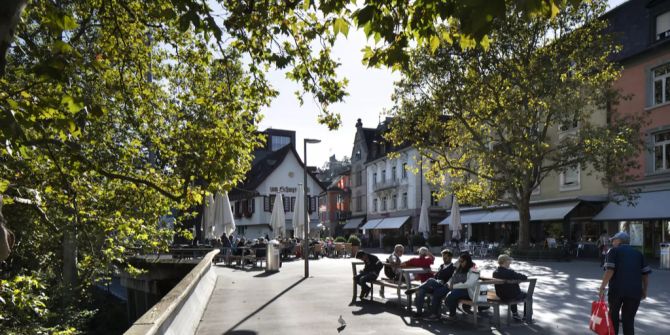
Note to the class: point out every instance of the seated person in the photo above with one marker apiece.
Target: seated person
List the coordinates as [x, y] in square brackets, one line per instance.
[462, 283]
[437, 286]
[509, 292]
[392, 269]
[425, 260]
[369, 273]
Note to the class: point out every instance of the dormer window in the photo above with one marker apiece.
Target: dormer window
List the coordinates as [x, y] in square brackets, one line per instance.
[357, 155]
[663, 26]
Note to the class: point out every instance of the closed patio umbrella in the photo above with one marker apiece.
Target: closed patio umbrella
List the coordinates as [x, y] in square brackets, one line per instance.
[455, 224]
[278, 217]
[424, 223]
[223, 218]
[207, 222]
[299, 214]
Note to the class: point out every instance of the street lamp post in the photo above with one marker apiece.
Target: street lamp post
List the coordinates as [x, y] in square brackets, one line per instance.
[305, 246]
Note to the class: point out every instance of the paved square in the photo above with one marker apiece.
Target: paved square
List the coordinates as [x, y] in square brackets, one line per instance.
[253, 302]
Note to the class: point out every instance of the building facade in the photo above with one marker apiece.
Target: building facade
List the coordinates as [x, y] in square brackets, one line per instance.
[646, 79]
[277, 169]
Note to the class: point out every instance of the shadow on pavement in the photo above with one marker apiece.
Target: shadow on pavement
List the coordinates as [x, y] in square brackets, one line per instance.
[230, 331]
[240, 332]
[266, 274]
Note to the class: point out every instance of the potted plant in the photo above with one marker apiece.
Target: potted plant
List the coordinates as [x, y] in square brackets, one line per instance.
[340, 239]
[355, 244]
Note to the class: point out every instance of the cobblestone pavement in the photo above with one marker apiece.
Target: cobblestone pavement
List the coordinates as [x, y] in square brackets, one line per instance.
[254, 302]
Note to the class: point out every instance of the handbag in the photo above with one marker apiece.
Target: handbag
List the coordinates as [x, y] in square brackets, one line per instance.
[600, 322]
[483, 293]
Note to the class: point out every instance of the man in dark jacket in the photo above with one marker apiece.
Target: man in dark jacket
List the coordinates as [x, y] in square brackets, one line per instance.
[437, 286]
[369, 273]
[509, 292]
[627, 275]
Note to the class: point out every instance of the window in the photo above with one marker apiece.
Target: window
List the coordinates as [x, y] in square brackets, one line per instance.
[383, 176]
[661, 86]
[663, 26]
[393, 173]
[384, 203]
[374, 205]
[359, 202]
[292, 204]
[404, 200]
[662, 151]
[357, 155]
[568, 126]
[394, 201]
[374, 178]
[286, 201]
[359, 178]
[279, 142]
[570, 178]
[404, 171]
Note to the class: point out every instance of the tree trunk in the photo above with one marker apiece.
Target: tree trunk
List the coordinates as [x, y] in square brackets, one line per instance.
[10, 13]
[70, 258]
[524, 223]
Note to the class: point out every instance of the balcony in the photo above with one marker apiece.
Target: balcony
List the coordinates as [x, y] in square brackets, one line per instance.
[385, 185]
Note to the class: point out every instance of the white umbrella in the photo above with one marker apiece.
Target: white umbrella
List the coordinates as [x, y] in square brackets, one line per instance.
[207, 222]
[299, 214]
[455, 224]
[223, 217]
[278, 217]
[424, 224]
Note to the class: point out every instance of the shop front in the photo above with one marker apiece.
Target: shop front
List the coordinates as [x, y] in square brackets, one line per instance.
[647, 221]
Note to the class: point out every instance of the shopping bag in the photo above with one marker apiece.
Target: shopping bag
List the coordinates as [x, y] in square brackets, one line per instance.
[600, 322]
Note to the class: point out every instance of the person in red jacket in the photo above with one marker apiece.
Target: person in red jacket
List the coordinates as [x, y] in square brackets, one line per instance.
[425, 260]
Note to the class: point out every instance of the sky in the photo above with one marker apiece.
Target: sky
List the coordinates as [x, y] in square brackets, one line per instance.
[369, 97]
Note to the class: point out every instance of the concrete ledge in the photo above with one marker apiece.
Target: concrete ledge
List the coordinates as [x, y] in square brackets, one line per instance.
[180, 310]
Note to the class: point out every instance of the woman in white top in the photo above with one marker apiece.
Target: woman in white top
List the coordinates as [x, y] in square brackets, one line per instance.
[462, 283]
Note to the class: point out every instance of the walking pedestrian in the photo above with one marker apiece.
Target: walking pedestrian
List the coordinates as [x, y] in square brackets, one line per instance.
[627, 276]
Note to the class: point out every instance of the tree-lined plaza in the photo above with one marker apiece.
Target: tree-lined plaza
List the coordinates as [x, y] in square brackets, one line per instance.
[115, 115]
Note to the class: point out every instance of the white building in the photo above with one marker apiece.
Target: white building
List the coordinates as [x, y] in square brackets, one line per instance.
[276, 170]
[395, 188]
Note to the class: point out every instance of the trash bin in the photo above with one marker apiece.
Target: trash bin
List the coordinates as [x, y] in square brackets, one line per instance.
[665, 255]
[272, 262]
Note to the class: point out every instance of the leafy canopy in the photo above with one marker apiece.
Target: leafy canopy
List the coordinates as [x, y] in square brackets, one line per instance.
[488, 119]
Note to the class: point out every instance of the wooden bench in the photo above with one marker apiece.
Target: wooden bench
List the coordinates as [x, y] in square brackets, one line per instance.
[400, 285]
[492, 300]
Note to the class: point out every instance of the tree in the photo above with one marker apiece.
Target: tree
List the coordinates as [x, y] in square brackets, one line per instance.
[115, 113]
[487, 119]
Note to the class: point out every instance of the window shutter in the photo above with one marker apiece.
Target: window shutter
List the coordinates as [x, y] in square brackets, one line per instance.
[252, 205]
[266, 203]
[272, 202]
[292, 204]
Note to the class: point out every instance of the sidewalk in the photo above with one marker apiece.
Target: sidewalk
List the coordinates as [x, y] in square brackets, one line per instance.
[253, 302]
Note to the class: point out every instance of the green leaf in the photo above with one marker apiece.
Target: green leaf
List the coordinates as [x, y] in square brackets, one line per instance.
[434, 43]
[4, 184]
[341, 25]
[70, 104]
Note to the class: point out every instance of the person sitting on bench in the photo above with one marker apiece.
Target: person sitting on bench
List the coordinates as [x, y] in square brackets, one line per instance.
[462, 284]
[509, 292]
[392, 269]
[436, 285]
[369, 273]
[425, 260]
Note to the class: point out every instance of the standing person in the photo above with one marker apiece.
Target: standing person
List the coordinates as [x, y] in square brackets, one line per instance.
[509, 292]
[462, 283]
[437, 286]
[603, 245]
[627, 276]
[425, 260]
[392, 269]
[369, 273]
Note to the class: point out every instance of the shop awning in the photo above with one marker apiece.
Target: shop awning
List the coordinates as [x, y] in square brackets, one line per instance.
[538, 212]
[371, 224]
[649, 205]
[392, 223]
[353, 223]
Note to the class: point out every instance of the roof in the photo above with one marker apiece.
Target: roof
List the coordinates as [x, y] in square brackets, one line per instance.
[376, 139]
[632, 23]
[263, 168]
